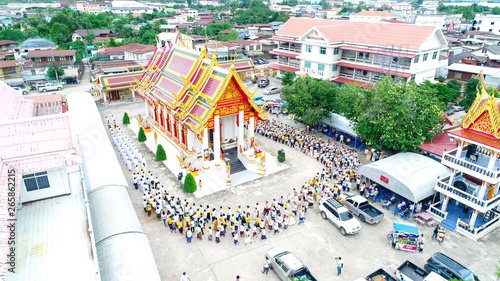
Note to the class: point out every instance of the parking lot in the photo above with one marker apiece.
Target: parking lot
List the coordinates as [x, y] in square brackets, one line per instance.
[316, 243]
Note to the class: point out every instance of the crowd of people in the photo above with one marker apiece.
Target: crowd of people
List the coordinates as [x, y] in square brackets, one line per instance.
[245, 224]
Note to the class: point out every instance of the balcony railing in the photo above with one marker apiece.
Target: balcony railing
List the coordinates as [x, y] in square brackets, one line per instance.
[290, 49]
[450, 159]
[438, 212]
[479, 204]
[477, 232]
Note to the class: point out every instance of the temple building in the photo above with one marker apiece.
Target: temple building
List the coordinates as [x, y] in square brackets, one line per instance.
[470, 193]
[203, 110]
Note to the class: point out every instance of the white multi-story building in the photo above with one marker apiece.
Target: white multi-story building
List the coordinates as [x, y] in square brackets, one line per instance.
[442, 21]
[489, 23]
[470, 197]
[372, 16]
[344, 51]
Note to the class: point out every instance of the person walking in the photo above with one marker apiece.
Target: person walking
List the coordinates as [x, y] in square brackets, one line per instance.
[340, 265]
[185, 277]
[267, 265]
[435, 232]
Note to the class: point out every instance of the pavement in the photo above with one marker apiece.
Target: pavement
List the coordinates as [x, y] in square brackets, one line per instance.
[316, 243]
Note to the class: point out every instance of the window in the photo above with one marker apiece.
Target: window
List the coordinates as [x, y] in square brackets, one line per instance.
[250, 48]
[334, 67]
[434, 55]
[307, 64]
[425, 57]
[62, 58]
[11, 70]
[492, 23]
[50, 59]
[367, 55]
[365, 72]
[282, 72]
[336, 51]
[309, 48]
[321, 67]
[416, 59]
[490, 30]
[360, 55]
[36, 181]
[358, 72]
[322, 50]
[458, 75]
[38, 60]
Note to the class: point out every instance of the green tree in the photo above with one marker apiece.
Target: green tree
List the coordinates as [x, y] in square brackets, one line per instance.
[445, 93]
[311, 99]
[395, 115]
[325, 5]
[190, 184]
[59, 29]
[287, 79]
[51, 72]
[142, 136]
[112, 42]
[160, 153]
[126, 119]
[14, 35]
[89, 39]
[470, 91]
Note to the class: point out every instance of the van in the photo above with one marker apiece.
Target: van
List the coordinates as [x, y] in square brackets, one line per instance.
[449, 268]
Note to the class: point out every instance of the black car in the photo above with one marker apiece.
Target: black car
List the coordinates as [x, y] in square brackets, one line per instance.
[263, 82]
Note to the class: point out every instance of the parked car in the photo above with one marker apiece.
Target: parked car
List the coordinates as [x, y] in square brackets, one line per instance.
[263, 82]
[259, 100]
[409, 271]
[338, 214]
[380, 274]
[272, 91]
[359, 206]
[287, 266]
[50, 87]
[257, 61]
[449, 268]
[263, 61]
[22, 91]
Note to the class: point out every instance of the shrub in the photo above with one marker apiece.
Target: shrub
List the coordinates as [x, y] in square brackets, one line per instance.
[142, 135]
[441, 79]
[126, 119]
[160, 153]
[190, 184]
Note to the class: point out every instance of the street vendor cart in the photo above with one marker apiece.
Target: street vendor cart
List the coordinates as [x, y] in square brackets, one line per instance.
[404, 236]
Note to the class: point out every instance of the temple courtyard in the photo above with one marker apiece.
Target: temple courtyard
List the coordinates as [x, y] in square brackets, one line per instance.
[316, 243]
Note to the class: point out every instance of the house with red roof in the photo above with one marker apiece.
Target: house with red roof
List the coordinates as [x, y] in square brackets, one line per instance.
[354, 52]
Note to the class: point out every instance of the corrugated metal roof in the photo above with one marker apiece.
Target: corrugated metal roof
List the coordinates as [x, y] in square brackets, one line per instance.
[123, 249]
[13, 104]
[37, 42]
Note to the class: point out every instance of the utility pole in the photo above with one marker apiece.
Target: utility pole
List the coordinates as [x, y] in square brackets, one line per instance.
[54, 64]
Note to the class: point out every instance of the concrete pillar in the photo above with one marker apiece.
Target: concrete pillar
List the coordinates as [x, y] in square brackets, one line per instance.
[204, 147]
[445, 203]
[241, 120]
[172, 124]
[482, 190]
[473, 218]
[133, 95]
[250, 129]
[146, 106]
[103, 95]
[217, 138]
[179, 128]
[452, 176]
[493, 159]
[460, 148]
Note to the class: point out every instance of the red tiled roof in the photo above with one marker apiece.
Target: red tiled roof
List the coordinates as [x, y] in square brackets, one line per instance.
[7, 42]
[440, 143]
[8, 63]
[343, 80]
[394, 21]
[136, 48]
[374, 69]
[478, 138]
[409, 35]
[283, 67]
[284, 54]
[50, 53]
[378, 52]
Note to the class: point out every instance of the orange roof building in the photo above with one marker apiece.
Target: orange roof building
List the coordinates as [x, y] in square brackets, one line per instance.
[354, 52]
[199, 106]
[475, 171]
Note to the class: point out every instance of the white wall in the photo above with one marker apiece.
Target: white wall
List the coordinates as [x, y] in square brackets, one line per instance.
[59, 185]
[425, 75]
[229, 129]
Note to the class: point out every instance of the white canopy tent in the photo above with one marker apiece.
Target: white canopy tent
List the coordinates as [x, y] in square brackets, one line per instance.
[341, 123]
[410, 175]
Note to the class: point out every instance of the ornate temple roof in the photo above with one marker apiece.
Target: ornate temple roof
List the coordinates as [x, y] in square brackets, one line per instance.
[191, 84]
[482, 122]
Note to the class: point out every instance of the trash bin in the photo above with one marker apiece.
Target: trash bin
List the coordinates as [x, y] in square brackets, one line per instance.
[179, 177]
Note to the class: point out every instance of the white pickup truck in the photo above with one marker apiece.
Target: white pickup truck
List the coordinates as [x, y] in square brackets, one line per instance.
[50, 87]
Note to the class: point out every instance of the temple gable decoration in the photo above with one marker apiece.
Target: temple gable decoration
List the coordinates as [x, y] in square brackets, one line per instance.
[483, 116]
